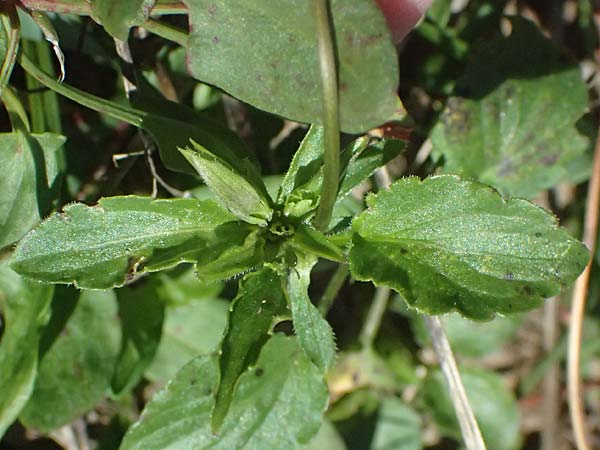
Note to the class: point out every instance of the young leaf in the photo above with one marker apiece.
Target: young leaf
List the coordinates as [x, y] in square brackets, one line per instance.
[494, 406]
[447, 244]
[279, 404]
[309, 241]
[106, 245]
[259, 302]
[246, 201]
[314, 333]
[241, 47]
[25, 311]
[30, 182]
[505, 129]
[117, 16]
[75, 373]
[141, 314]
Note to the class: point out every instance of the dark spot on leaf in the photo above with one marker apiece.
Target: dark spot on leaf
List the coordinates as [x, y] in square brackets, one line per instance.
[549, 160]
[509, 276]
[212, 9]
[403, 251]
[510, 306]
[527, 290]
[538, 234]
[259, 78]
[370, 40]
[510, 92]
[355, 377]
[343, 86]
[259, 372]
[215, 39]
[193, 382]
[208, 391]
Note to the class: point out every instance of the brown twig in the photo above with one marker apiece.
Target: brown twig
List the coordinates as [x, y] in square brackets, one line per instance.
[590, 230]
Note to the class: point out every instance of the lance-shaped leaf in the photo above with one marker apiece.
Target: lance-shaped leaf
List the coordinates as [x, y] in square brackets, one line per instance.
[278, 405]
[447, 244]
[260, 301]
[30, 181]
[314, 333]
[25, 310]
[106, 245]
[245, 197]
[244, 47]
[117, 16]
[504, 127]
[309, 241]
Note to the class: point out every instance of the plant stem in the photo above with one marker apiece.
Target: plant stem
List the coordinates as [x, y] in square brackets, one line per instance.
[464, 413]
[166, 31]
[331, 119]
[129, 115]
[333, 288]
[374, 317]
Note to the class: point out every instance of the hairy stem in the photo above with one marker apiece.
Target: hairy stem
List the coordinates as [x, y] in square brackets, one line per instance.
[331, 119]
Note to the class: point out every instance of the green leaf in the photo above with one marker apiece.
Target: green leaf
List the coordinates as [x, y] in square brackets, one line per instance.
[398, 427]
[247, 200]
[310, 241]
[365, 160]
[243, 47]
[142, 314]
[75, 373]
[189, 330]
[327, 439]
[278, 405]
[255, 310]
[172, 125]
[314, 333]
[505, 129]
[25, 312]
[447, 244]
[117, 16]
[30, 182]
[472, 339]
[9, 45]
[494, 406]
[106, 245]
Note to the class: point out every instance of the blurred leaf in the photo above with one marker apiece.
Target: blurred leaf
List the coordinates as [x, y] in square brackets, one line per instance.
[494, 406]
[254, 311]
[75, 373]
[398, 427]
[117, 16]
[242, 196]
[472, 339]
[242, 46]
[504, 128]
[142, 314]
[327, 438]
[30, 182]
[25, 311]
[189, 330]
[447, 244]
[278, 405]
[314, 333]
[107, 245]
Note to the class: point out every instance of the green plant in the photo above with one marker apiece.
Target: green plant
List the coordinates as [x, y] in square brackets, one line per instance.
[445, 243]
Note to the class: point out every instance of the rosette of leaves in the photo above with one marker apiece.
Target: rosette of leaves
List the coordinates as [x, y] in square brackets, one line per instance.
[444, 243]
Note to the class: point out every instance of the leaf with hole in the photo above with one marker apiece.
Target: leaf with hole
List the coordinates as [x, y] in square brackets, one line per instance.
[109, 244]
